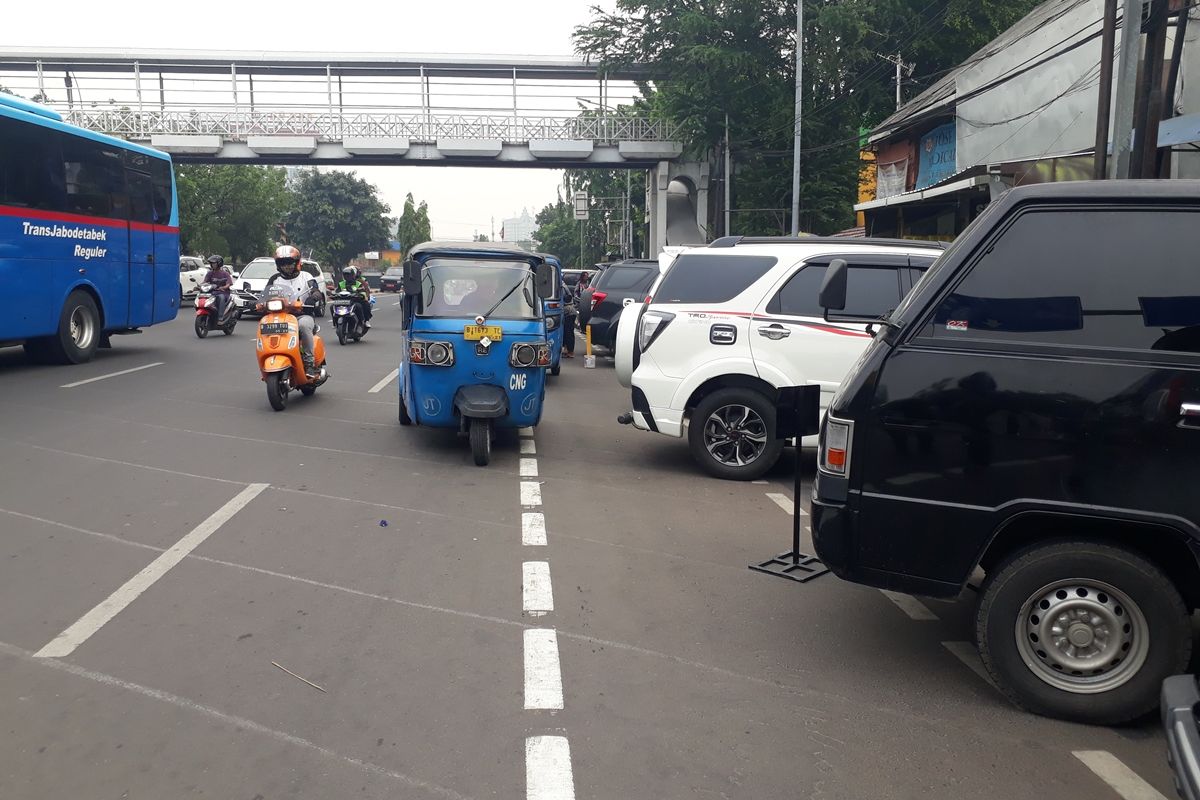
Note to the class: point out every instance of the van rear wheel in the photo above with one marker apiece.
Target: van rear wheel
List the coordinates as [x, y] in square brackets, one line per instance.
[732, 434]
[1082, 631]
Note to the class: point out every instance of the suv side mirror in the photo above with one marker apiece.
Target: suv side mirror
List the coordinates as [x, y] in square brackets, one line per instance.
[545, 280]
[412, 278]
[833, 289]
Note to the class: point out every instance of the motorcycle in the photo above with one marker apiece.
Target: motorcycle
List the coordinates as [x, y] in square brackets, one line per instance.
[206, 312]
[348, 318]
[279, 357]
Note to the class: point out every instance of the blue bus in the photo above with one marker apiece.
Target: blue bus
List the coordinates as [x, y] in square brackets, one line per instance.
[89, 235]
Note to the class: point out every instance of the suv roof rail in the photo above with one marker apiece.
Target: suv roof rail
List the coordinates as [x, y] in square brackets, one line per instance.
[732, 241]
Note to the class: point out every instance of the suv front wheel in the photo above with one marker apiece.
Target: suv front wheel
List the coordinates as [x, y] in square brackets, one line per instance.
[732, 434]
[1082, 631]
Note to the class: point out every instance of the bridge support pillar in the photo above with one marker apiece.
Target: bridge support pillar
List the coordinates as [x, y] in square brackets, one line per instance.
[677, 205]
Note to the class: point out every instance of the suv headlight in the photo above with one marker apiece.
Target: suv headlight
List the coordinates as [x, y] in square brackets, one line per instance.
[652, 325]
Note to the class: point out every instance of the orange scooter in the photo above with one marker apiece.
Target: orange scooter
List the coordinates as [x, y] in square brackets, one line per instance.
[279, 357]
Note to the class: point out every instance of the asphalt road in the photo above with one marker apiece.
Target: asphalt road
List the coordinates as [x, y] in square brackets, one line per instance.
[153, 592]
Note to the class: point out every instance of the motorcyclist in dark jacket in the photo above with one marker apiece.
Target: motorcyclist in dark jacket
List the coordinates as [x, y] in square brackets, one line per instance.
[352, 281]
[221, 282]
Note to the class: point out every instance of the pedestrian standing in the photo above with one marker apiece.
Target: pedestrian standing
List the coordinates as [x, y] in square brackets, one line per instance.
[570, 311]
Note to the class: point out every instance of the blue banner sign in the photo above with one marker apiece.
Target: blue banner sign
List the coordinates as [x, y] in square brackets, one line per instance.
[935, 156]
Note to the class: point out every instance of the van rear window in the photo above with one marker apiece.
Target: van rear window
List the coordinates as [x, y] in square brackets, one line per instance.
[711, 278]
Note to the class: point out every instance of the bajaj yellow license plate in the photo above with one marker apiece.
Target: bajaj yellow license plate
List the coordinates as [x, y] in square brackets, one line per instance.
[473, 333]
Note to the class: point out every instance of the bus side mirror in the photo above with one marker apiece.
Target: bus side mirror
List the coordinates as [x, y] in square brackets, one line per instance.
[833, 289]
[545, 280]
[412, 278]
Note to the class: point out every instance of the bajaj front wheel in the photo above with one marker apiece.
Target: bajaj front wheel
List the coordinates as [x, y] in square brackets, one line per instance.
[481, 441]
[277, 390]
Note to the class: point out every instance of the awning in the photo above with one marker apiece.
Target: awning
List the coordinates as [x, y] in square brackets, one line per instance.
[925, 194]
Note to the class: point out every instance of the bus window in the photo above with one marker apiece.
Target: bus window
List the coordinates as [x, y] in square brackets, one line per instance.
[31, 172]
[95, 179]
[141, 196]
[160, 172]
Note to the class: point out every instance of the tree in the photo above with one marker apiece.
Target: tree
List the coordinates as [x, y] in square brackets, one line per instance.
[230, 209]
[413, 228]
[336, 215]
[737, 57]
[559, 232]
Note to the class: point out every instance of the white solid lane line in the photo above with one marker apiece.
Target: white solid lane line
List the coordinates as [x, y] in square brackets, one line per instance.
[537, 593]
[529, 468]
[910, 605]
[966, 653]
[1121, 778]
[391, 376]
[65, 643]
[548, 769]
[785, 502]
[543, 676]
[528, 448]
[111, 375]
[531, 493]
[533, 528]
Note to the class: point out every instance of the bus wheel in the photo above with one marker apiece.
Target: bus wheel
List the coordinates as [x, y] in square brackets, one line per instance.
[78, 331]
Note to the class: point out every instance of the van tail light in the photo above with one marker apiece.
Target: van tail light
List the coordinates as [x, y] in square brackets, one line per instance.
[652, 324]
[648, 299]
[598, 298]
[835, 447]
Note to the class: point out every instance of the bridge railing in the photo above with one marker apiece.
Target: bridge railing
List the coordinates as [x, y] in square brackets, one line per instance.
[237, 125]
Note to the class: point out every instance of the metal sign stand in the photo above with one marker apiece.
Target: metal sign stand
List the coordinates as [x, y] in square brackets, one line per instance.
[797, 415]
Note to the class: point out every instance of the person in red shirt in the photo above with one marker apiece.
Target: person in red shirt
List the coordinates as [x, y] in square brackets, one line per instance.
[221, 282]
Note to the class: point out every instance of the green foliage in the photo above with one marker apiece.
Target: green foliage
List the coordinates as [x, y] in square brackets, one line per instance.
[335, 216]
[230, 209]
[413, 227]
[737, 57]
[559, 232]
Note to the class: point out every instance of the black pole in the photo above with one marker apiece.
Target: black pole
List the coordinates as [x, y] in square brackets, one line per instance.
[1168, 106]
[1156, 51]
[797, 505]
[1104, 103]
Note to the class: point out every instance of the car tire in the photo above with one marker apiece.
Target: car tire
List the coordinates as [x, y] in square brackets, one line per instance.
[759, 423]
[1121, 611]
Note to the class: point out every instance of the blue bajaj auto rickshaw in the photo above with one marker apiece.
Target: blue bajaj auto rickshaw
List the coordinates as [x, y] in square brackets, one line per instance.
[475, 351]
[555, 314]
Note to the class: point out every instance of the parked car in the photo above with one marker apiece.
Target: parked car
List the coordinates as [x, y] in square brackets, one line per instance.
[192, 270]
[253, 280]
[1032, 409]
[392, 280]
[1179, 709]
[732, 323]
[621, 283]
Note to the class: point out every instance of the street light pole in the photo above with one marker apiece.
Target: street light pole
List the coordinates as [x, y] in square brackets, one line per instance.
[796, 140]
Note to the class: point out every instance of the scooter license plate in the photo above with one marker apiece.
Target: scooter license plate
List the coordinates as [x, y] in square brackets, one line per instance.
[473, 333]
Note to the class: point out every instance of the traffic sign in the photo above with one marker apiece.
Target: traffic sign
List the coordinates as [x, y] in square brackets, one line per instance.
[581, 205]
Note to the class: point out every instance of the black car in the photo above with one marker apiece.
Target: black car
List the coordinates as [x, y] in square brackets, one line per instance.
[392, 279]
[1032, 409]
[618, 285]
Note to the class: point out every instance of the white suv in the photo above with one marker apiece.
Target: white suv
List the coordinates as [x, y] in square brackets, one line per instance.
[731, 323]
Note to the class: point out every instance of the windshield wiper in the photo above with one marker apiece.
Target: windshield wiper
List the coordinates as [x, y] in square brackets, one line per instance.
[507, 295]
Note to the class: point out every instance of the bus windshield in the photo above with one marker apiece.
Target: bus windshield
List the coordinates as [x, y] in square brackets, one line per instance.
[460, 287]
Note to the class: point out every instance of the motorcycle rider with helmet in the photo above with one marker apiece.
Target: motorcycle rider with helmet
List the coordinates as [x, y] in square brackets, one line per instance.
[296, 284]
[221, 282]
[352, 281]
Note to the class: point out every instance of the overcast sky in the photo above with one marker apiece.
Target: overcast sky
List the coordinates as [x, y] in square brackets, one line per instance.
[461, 200]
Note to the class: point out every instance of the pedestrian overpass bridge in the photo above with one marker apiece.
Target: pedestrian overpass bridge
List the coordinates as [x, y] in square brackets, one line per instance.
[372, 109]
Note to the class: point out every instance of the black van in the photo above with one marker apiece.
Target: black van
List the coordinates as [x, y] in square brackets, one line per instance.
[1032, 409]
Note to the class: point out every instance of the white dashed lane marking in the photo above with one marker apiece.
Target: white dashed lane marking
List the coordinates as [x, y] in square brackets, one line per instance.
[528, 448]
[377, 388]
[537, 593]
[548, 769]
[1121, 778]
[65, 643]
[533, 529]
[525, 431]
[529, 468]
[531, 493]
[543, 676]
[784, 502]
[110, 375]
[910, 605]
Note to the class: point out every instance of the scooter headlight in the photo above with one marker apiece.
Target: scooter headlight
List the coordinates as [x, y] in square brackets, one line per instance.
[275, 305]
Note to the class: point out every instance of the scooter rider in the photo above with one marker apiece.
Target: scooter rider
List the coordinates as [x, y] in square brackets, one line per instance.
[221, 282]
[289, 276]
[352, 282]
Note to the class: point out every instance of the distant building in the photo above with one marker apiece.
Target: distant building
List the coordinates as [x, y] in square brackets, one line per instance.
[518, 229]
